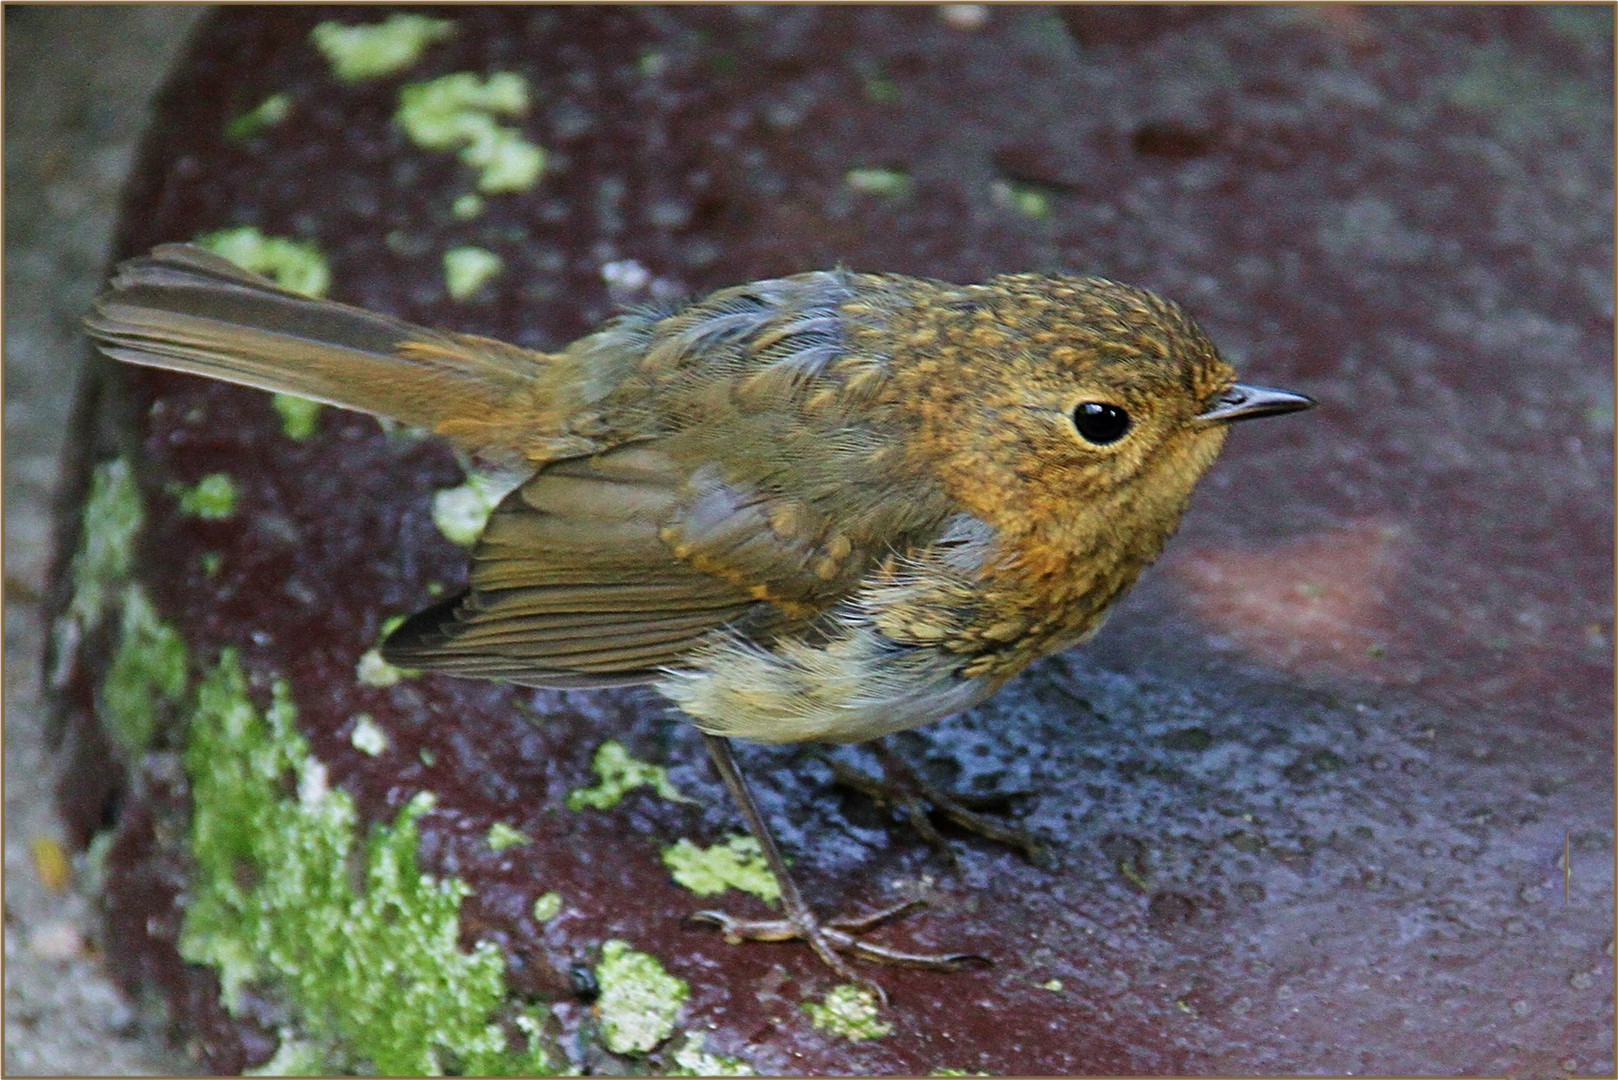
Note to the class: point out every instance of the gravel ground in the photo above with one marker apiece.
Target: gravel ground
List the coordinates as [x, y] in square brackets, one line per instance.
[78, 81]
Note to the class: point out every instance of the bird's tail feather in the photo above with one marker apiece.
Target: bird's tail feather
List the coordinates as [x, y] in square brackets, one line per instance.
[186, 309]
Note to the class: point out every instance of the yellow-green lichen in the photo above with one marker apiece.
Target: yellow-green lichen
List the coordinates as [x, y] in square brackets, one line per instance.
[368, 736]
[299, 415]
[467, 206]
[619, 774]
[889, 183]
[461, 512]
[502, 836]
[269, 112]
[467, 269]
[736, 863]
[460, 112]
[849, 1011]
[639, 999]
[372, 670]
[292, 264]
[1026, 199]
[213, 498]
[51, 863]
[147, 676]
[547, 907]
[291, 897]
[690, 1059]
[358, 53]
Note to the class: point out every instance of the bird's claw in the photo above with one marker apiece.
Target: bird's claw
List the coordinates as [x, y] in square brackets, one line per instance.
[832, 939]
[913, 795]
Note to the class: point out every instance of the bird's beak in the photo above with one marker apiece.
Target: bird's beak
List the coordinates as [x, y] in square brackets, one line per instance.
[1243, 402]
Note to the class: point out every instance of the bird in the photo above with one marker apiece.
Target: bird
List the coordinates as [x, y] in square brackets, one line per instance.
[823, 507]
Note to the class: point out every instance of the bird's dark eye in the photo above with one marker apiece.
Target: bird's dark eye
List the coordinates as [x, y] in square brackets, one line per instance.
[1100, 423]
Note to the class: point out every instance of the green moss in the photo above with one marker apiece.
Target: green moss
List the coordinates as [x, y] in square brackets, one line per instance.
[620, 774]
[467, 269]
[848, 1011]
[502, 836]
[459, 112]
[299, 415]
[292, 264]
[213, 498]
[358, 53]
[690, 1059]
[294, 1057]
[269, 112]
[639, 999]
[361, 945]
[113, 516]
[461, 512]
[148, 673]
[737, 863]
[547, 907]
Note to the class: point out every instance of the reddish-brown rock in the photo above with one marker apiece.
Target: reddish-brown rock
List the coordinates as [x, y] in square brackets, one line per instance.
[1309, 792]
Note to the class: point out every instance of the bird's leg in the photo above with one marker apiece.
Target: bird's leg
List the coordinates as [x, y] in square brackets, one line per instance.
[904, 788]
[828, 937]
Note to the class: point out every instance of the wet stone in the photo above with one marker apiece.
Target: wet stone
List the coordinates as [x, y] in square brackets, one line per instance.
[1404, 212]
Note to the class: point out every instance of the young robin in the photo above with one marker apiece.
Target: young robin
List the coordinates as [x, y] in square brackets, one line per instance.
[821, 507]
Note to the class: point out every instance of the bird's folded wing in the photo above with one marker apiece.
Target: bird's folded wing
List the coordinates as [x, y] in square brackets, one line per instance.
[575, 581]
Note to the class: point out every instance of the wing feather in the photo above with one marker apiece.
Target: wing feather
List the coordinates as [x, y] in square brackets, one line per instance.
[571, 581]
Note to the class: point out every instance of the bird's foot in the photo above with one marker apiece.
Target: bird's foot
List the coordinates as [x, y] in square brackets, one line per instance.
[832, 939]
[903, 788]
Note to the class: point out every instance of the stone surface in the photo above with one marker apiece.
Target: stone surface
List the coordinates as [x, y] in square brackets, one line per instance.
[1310, 793]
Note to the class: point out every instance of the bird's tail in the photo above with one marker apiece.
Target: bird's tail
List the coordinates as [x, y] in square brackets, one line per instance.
[186, 309]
